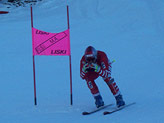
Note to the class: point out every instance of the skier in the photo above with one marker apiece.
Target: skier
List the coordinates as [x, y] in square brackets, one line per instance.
[94, 64]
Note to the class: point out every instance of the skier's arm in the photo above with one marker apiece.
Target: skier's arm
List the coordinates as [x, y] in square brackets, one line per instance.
[104, 69]
[83, 68]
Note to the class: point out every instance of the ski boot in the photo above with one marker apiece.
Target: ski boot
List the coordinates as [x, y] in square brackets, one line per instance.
[98, 101]
[119, 101]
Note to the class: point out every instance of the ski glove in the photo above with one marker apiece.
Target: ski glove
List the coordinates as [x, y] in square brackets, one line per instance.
[85, 68]
[96, 67]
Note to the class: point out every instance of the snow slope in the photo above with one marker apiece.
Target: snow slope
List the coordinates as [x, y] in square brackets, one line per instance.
[131, 32]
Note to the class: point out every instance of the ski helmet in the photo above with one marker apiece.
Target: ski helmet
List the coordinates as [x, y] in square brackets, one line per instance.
[90, 54]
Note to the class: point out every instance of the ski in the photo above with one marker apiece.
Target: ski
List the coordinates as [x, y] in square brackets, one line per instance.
[95, 110]
[118, 109]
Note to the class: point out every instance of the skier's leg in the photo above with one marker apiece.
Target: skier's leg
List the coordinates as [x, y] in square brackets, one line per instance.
[95, 92]
[93, 87]
[112, 86]
[115, 91]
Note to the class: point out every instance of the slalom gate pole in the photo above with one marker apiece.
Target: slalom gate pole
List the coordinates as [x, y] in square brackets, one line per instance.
[71, 94]
[35, 100]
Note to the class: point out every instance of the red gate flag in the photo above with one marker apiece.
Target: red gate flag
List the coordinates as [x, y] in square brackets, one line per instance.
[45, 43]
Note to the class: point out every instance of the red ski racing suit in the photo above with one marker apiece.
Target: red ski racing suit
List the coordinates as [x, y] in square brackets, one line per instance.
[105, 72]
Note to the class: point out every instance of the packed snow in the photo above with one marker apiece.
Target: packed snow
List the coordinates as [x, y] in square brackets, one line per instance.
[129, 31]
